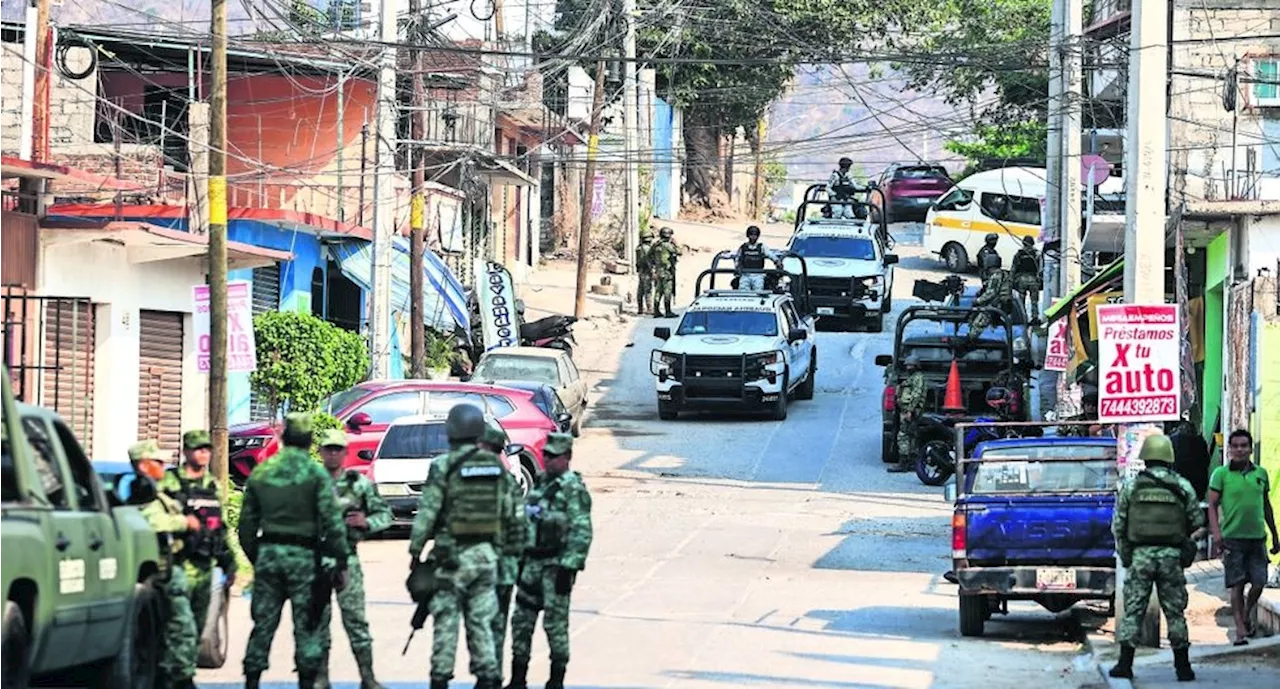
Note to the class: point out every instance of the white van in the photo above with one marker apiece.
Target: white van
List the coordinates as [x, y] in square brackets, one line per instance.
[1008, 202]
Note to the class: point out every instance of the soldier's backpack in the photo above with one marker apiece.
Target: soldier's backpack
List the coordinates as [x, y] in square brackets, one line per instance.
[474, 485]
[1157, 513]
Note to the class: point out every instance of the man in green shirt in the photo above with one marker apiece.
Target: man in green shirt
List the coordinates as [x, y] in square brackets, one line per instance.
[1241, 491]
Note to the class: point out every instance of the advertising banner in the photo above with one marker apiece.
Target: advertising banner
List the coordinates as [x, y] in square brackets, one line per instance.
[1058, 354]
[242, 355]
[500, 322]
[1139, 364]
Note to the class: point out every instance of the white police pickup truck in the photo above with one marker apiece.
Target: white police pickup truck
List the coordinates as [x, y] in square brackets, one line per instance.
[736, 349]
[850, 277]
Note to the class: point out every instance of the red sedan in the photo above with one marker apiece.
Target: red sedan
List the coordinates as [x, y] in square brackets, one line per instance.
[368, 408]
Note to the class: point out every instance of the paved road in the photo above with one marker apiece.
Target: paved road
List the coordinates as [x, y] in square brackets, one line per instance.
[735, 551]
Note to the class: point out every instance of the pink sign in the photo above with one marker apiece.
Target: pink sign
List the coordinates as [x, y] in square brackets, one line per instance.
[242, 356]
[1138, 347]
[1094, 169]
[1059, 349]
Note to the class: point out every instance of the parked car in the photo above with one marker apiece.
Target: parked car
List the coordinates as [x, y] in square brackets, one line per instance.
[548, 400]
[539, 365]
[367, 409]
[403, 459]
[909, 190]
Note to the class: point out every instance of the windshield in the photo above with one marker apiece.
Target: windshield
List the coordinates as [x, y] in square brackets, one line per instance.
[503, 367]
[340, 400]
[858, 248]
[920, 173]
[414, 441]
[756, 323]
[1022, 472]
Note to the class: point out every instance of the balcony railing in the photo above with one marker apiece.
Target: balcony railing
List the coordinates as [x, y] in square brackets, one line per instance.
[451, 125]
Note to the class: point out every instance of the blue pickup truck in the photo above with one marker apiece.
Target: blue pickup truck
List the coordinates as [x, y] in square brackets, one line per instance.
[1032, 521]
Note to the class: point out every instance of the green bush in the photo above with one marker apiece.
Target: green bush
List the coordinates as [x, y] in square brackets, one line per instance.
[303, 359]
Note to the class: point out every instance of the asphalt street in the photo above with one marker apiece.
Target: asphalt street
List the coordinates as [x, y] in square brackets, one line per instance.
[737, 551]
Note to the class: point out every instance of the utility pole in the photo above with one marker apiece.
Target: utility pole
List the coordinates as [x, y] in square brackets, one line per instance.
[418, 207]
[40, 123]
[383, 198]
[1046, 382]
[584, 225]
[1072, 48]
[1145, 186]
[631, 219]
[757, 192]
[218, 242]
[31, 29]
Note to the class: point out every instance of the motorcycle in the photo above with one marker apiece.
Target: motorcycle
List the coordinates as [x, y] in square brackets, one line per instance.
[555, 332]
[936, 458]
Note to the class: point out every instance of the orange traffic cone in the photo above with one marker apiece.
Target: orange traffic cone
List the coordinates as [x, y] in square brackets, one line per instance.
[952, 400]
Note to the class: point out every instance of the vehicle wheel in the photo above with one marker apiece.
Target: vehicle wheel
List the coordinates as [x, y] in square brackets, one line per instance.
[888, 449]
[668, 411]
[934, 462]
[16, 648]
[956, 258]
[527, 474]
[805, 390]
[876, 324]
[136, 665]
[214, 638]
[779, 409]
[973, 614]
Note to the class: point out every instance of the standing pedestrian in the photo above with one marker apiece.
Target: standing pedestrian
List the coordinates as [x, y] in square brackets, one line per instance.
[1027, 280]
[1239, 509]
[194, 487]
[749, 260]
[665, 256]
[988, 249]
[495, 440]
[291, 530]
[1156, 520]
[179, 636]
[559, 509]
[842, 187]
[644, 272]
[365, 513]
[466, 507]
[910, 403]
[996, 292]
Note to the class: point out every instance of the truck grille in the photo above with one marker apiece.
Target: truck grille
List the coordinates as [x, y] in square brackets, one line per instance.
[832, 287]
[713, 375]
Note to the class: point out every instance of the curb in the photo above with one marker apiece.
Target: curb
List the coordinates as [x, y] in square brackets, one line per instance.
[1165, 657]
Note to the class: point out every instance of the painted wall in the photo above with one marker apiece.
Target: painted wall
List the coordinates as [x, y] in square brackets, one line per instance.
[1266, 427]
[1262, 243]
[1215, 276]
[119, 289]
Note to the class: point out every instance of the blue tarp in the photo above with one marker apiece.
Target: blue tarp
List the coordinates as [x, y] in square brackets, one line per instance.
[443, 299]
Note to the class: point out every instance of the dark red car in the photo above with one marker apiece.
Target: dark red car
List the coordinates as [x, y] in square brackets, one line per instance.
[909, 190]
[368, 408]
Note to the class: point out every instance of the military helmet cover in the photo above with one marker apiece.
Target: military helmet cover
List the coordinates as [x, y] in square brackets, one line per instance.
[465, 422]
[1156, 448]
[646, 234]
[333, 437]
[146, 449]
[196, 439]
[558, 444]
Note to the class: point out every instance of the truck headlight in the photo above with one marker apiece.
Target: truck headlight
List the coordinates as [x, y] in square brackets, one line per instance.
[768, 365]
[662, 364]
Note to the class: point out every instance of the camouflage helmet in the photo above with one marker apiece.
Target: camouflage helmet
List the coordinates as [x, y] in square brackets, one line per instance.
[146, 449]
[298, 429]
[196, 439]
[465, 423]
[666, 233]
[646, 235]
[1156, 448]
[991, 261]
[558, 445]
[992, 238]
[494, 435]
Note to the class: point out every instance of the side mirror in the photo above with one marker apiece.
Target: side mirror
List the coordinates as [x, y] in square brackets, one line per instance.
[366, 455]
[884, 360]
[514, 449]
[663, 333]
[564, 419]
[132, 489]
[890, 259]
[797, 334]
[359, 420]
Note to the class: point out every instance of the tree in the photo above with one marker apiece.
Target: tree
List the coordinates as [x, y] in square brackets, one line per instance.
[1013, 141]
[303, 359]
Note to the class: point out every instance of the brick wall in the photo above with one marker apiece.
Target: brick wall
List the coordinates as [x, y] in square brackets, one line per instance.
[72, 103]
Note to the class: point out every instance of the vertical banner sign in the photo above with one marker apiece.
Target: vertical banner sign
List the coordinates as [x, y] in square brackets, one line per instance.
[1138, 352]
[242, 356]
[1129, 443]
[1059, 350]
[499, 320]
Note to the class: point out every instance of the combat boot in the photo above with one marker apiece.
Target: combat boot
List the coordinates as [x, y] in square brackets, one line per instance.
[1124, 668]
[437, 683]
[251, 680]
[322, 676]
[488, 683]
[666, 302]
[1182, 665]
[556, 681]
[364, 661]
[519, 674]
[307, 679]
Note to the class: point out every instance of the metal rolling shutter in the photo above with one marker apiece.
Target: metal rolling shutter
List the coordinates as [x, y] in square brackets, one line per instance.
[266, 297]
[69, 344]
[160, 378]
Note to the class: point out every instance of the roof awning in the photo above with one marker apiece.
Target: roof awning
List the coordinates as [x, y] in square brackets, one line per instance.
[1061, 307]
[444, 300]
[13, 166]
[502, 172]
[146, 243]
[298, 221]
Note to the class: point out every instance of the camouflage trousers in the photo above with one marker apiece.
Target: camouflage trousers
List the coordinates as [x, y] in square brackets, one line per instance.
[537, 593]
[1159, 567]
[351, 606]
[200, 579]
[508, 573]
[284, 572]
[466, 592]
[664, 287]
[980, 321]
[180, 638]
[1027, 287]
[644, 291]
[907, 443]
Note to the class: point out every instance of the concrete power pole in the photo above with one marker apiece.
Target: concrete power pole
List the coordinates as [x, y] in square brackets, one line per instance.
[1072, 107]
[218, 242]
[384, 202]
[588, 185]
[1046, 382]
[631, 220]
[417, 211]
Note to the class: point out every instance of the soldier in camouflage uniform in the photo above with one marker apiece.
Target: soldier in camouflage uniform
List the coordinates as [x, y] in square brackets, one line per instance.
[1157, 518]
[291, 529]
[559, 510]
[495, 440]
[988, 249]
[180, 639]
[1026, 275]
[194, 486]
[467, 507]
[664, 256]
[365, 513]
[997, 292]
[910, 402]
[644, 272]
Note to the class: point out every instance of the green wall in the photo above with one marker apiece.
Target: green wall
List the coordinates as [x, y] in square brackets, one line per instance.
[1215, 282]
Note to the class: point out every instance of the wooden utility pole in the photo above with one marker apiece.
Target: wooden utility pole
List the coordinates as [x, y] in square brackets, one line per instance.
[40, 121]
[218, 243]
[584, 228]
[418, 204]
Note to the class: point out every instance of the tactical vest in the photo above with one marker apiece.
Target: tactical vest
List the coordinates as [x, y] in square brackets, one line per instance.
[474, 488]
[844, 187]
[344, 489]
[550, 526]
[751, 256]
[200, 499]
[1157, 514]
[1025, 262]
